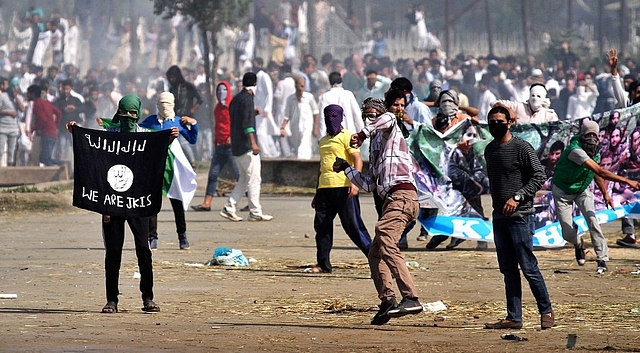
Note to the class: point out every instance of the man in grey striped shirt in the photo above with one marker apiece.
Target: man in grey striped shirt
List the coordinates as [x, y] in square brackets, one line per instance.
[515, 175]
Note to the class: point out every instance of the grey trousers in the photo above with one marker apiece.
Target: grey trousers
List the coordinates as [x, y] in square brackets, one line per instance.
[564, 210]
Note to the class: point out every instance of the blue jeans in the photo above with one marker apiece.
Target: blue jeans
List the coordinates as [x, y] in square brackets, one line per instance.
[221, 156]
[46, 150]
[514, 245]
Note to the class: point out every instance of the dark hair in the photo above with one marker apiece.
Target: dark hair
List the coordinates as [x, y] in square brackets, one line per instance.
[326, 58]
[370, 71]
[335, 78]
[498, 109]
[249, 79]
[402, 83]
[258, 60]
[538, 84]
[35, 90]
[391, 97]
[557, 146]
[66, 82]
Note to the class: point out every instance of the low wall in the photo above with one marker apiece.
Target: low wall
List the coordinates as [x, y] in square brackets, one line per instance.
[14, 176]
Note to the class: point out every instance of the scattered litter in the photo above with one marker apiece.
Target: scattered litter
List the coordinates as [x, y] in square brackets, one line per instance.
[439, 318]
[434, 306]
[635, 311]
[136, 275]
[228, 257]
[252, 260]
[413, 264]
[571, 340]
[635, 272]
[512, 337]
[8, 296]
[560, 271]
[193, 265]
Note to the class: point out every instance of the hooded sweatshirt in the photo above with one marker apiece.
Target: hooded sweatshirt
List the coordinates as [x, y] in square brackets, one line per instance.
[221, 113]
[185, 93]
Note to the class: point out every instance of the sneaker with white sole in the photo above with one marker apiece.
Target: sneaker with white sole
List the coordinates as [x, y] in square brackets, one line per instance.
[260, 218]
[407, 306]
[232, 216]
[602, 267]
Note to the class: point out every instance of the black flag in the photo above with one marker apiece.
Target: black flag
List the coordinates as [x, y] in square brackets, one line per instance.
[119, 174]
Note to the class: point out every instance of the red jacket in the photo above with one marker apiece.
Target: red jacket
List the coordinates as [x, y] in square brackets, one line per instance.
[46, 118]
[223, 120]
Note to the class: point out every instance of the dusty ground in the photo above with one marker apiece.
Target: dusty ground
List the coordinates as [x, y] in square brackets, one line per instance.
[53, 261]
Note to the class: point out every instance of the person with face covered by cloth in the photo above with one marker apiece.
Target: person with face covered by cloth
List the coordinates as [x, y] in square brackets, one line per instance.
[391, 174]
[575, 169]
[167, 119]
[335, 194]
[535, 110]
[450, 115]
[126, 121]
[222, 141]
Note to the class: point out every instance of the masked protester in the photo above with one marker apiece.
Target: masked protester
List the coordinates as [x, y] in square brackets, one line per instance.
[335, 194]
[575, 169]
[167, 119]
[125, 121]
[535, 110]
[391, 174]
[222, 141]
[515, 175]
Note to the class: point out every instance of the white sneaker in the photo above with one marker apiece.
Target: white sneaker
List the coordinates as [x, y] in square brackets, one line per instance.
[261, 217]
[232, 216]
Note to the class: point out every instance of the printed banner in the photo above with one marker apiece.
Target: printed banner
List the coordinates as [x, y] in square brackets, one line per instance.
[119, 174]
[452, 179]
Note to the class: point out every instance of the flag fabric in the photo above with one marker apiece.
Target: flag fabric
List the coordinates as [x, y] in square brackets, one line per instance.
[119, 174]
[449, 177]
[179, 178]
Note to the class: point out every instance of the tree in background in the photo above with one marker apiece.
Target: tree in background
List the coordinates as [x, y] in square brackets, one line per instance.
[211, 17]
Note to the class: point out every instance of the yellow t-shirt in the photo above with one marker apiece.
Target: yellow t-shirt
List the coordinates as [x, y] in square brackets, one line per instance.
[331, 147]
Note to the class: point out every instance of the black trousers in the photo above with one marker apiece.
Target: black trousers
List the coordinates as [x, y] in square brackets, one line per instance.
[178, 216]
[113, 236]
[330, 202]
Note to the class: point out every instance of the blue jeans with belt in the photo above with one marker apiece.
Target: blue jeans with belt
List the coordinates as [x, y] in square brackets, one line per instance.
[514, 245]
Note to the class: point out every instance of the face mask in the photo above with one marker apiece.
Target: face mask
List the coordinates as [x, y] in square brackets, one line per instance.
[222, 95]
[165, 110]
[498, 130]
[442, 121]
[252, 88]
[591, 145]
[128, 124]
[368, 118]
[448, 108]
[537, 96]
[333, 119]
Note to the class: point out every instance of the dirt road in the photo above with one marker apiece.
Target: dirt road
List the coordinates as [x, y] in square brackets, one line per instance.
[53, 261]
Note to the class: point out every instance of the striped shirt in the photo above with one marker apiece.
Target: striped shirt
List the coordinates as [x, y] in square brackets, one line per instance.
[390, 162]
[513, 168]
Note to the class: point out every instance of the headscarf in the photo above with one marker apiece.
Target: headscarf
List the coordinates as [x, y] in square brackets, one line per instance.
[375, 103]
[127, 122]
[333, 114]
[166, 105]
[590, 144]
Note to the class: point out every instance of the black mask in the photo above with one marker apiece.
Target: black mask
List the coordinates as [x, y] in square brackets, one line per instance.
[498, 130]
[591, 145]
[442, 121]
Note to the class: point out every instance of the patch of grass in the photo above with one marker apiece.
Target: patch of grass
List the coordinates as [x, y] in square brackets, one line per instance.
[21, 190]
[59, 188]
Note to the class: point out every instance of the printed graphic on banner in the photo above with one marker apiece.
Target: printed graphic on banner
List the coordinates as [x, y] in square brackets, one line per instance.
[119, 174]
[452, 179]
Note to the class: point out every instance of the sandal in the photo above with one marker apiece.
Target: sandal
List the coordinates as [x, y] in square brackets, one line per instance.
[315, 269]
[149, 306]
[110, 308]
[201, 208]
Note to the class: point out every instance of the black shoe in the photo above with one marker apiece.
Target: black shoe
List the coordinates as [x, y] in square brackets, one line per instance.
[602, 267]
[184, 243]
[382, 317]
[454, 242]
[407, 306]
[436, 240]
[580, 256]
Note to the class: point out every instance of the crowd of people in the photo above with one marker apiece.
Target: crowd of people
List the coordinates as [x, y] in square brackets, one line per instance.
[341, 111]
